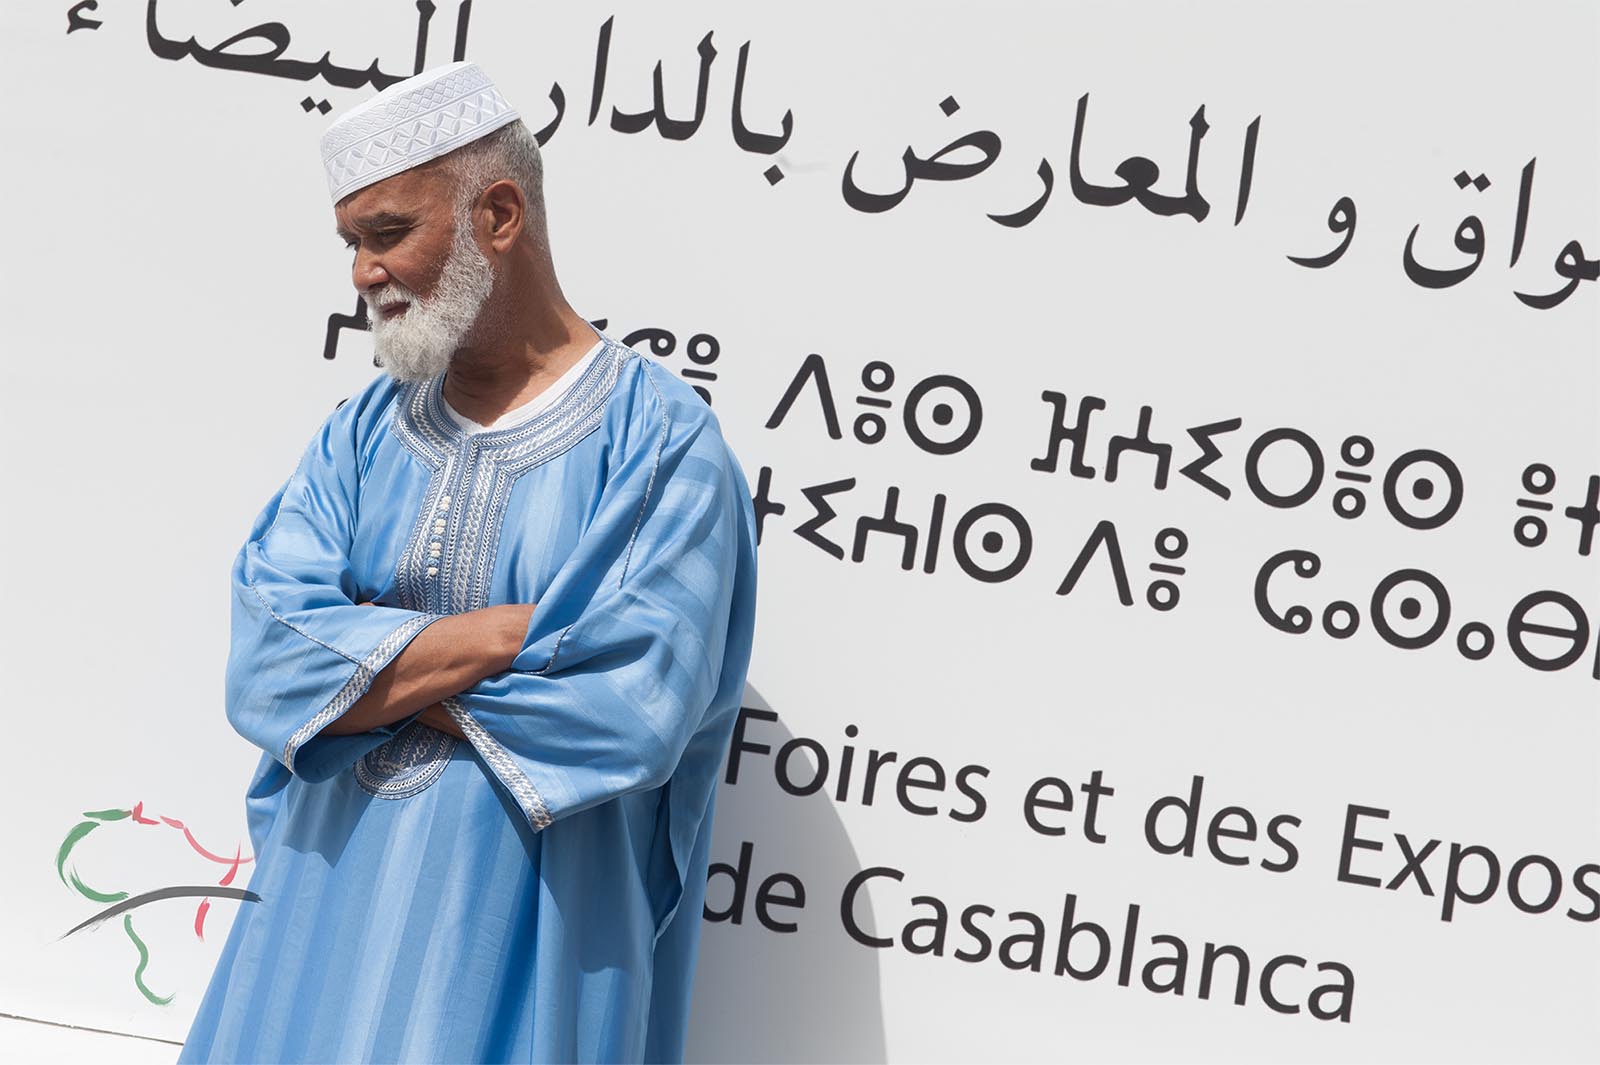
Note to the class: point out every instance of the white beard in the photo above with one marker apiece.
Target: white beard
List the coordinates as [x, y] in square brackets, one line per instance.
[419, 344]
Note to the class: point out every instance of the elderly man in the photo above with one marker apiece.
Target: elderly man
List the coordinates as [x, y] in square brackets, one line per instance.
[491, 636]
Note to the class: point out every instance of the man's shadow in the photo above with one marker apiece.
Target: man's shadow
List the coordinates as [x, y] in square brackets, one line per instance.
[761, 995]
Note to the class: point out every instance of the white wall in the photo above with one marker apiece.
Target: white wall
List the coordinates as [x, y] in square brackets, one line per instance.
[171, 271]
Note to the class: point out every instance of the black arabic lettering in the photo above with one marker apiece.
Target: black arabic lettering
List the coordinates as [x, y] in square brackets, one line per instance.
[425, 11]
[1030, 212]
[1139, 175]
[1468, 241]
[76, 20]
[1524, 195]
[275, 35]
[1342, 219]
[876, 202]
[558, 98]
[1093, 195]
[670, 128]
[463, 18]
[1247, 168]
[602, 56]
[344, 77]
[743, 136]
[682, 129]
[1191, 202]
[1571, 265]
[933, 168]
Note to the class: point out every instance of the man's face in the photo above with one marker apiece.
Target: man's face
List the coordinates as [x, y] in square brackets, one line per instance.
[419, 268]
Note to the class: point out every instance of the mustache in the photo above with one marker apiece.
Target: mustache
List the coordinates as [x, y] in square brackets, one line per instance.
[390, 294]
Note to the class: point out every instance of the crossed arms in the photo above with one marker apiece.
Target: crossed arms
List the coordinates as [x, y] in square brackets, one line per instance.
[444, 659]
[596, 693]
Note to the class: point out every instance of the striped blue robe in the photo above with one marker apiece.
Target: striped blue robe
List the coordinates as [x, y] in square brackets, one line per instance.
[533, 894]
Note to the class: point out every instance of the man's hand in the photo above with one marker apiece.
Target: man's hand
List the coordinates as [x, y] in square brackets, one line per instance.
[436, 716]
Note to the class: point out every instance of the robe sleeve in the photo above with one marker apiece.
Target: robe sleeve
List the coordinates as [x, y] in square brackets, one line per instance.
[645, 627]
[302, 650]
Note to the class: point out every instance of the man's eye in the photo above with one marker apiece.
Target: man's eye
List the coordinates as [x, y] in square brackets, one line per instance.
[385, 236]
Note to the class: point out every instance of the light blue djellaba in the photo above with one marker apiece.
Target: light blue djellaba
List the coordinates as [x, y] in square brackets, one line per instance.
[534, 894]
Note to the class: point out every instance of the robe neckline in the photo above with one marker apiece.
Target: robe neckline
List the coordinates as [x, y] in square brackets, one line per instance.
[427, 429]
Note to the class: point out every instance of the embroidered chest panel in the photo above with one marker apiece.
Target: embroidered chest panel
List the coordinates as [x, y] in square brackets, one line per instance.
[448, 560]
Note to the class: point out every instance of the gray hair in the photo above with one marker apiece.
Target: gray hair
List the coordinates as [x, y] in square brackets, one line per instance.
[509, 152]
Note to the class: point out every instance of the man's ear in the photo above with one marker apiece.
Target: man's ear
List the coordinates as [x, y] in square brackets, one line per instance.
[507, 213]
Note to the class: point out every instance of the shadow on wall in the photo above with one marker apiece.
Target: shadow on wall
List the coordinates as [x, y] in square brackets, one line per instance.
[766, 995]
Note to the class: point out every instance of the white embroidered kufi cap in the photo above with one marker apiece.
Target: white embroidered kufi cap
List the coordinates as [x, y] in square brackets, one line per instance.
[409, 123]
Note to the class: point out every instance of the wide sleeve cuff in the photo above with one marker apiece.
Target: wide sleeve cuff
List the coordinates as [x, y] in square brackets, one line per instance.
[522, 789]
[286, 688]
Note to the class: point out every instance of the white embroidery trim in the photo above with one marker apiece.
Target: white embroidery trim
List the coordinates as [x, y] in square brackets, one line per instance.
[411, 777]
[495, 459]
[515, 780]
[358, 683]
[428, 433]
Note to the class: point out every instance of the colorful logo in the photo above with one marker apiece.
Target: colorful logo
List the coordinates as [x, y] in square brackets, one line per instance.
[120, 903]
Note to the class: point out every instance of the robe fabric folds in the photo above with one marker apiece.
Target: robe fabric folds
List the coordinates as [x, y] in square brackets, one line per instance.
[533, 893]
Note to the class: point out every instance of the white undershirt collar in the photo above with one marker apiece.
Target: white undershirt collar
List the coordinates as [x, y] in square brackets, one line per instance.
[535, 406]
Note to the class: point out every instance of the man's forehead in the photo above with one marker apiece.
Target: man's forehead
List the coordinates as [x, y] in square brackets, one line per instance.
[403, 196]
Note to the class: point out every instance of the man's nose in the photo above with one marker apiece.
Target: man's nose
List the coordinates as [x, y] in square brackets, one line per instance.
[367, 272]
